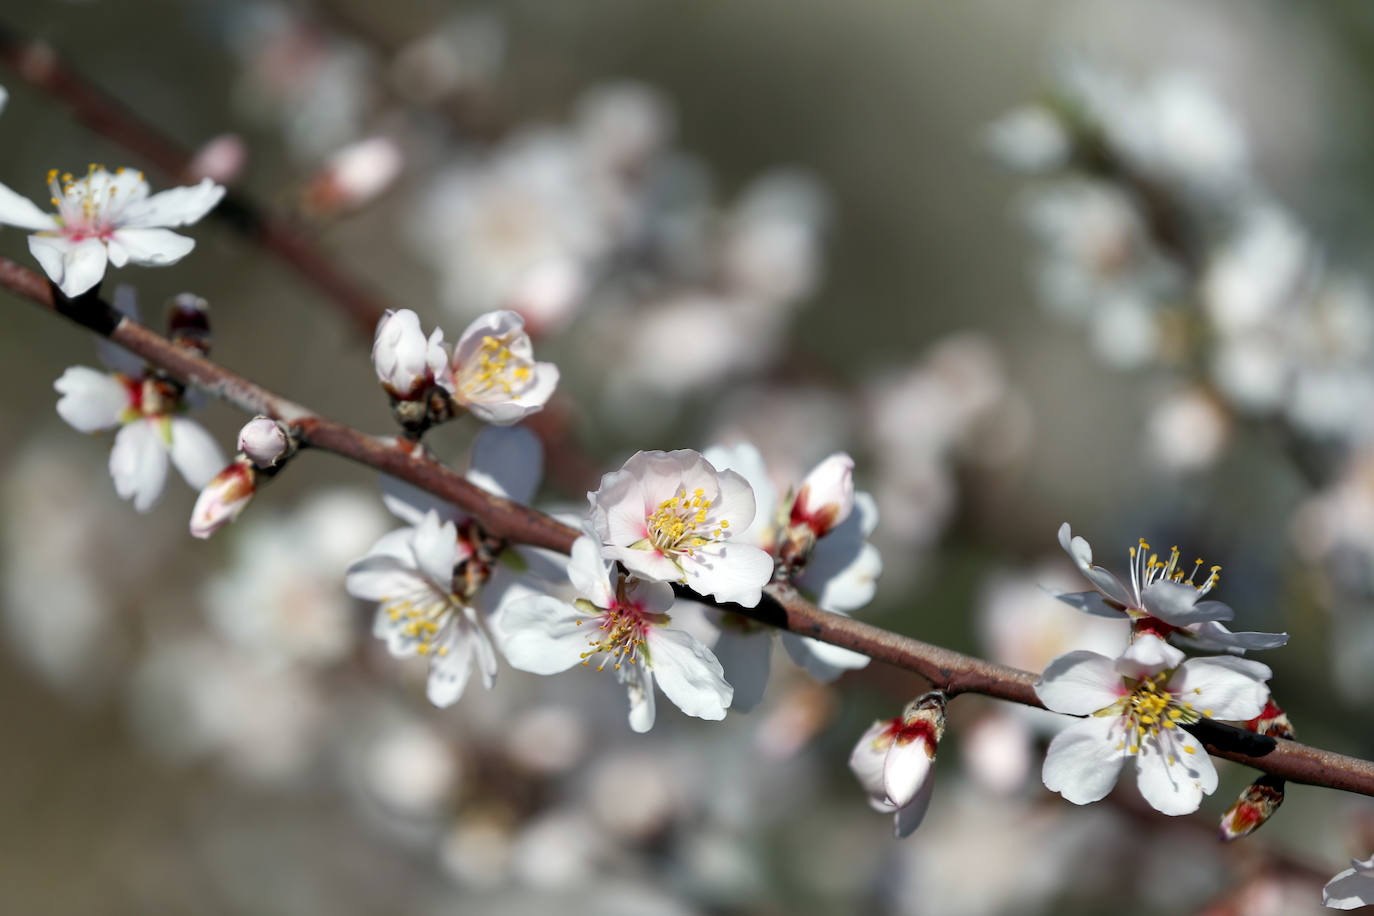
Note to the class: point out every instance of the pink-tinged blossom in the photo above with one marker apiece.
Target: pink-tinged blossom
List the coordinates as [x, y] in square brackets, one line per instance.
[1136, 706]
[621, 621]
[494, 374]
[1352, 888]
[1163, 598]
[839, 573]
[355, 175]
[407, 362]
[224, 498]
[894, 761]
[106, 218]
[671, 516]
[826, 496]
[146, 411]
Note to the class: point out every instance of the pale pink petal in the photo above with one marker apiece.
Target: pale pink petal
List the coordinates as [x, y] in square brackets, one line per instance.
[195, 453]
[907, 768]
[436, 549]
[1227, 687]
[1177, 604]
[590, 574]
[1146, 656]
[507, 461]
[650, 564]
[639, 686]
[1351, 888]
[821, 660]
[744, 459]
[867, 759]
[909, 816]
[153, 247]
[74, 266]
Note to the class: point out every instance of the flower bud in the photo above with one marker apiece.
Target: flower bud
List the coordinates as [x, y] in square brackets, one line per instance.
[407, 363]
[911, 757]
[223, 498]
[188, 322]
[265, 441]
[355, 175]
[222, 160]
[826, 496]
[1255, 806]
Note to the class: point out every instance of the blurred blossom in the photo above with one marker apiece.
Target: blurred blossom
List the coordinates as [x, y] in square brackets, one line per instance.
[636, 795]
[771, 251]
[792, 426]
[1186, 430]
[547, 739]
[316, 87]
[355, 175]
[192, 699]
[477, 851]
[1259, 273]
[558, 850]
[222, 159]
[1021, 623]
[282, 598]
[996, 751]
[463, 56]
[622, 126]
[410, 770]
[1028, 139]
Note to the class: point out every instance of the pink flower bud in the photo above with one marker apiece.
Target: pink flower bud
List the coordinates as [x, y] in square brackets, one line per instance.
[355, 175]
[406, 362]
[223, 498]
[222, 160]
[265, 441]
[826, 496]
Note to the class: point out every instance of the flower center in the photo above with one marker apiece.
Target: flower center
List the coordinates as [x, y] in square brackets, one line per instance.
[1148, 708]
[421, 614]
[86, 206]
[1147, 569]
[621, 633]
[679, 523]
[494, 368]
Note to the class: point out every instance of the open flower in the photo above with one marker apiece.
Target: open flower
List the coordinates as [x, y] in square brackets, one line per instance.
[493, 373]
[1163, 598]
[1352, 888]
[1136, 706]
[150, 430]
[440, 582]
[103, 218]
[671, 516]
[839, 573]
[894, 761]
[620, 621]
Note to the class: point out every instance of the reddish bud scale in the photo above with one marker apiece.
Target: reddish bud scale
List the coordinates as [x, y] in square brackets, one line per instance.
[1271, 721]
[1153, 626]
[1255, 805]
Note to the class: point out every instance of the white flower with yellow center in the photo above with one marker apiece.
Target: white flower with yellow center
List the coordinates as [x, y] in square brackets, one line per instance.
[1164, 597]
[671, 516]
[1136, 706]
[622, 622]
[106, 217]
[494, 374]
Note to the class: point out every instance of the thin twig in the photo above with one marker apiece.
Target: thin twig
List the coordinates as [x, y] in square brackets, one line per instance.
[39, 65]
[783, 607]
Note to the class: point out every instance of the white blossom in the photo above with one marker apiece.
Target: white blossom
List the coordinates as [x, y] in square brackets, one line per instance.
[494, 374]
[1351, 888]
[103, 218]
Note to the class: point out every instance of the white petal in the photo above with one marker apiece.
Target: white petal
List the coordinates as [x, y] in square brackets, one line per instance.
[173, 207]
[1174, 786]
[1082, 554]
[74, 266]
[906, 769]
[730, 572]
[620, 509]
[909, 816]
[1178, 604]
[1083, 761]
[153, 247]
[543, 635]
[115, 357]
[436, 549]
[639, 684]
[687, 673]
[590, 574]
[1080, 683]
[449, 671]
[91, 400]
[1231, 688]
[838, 582]
[744, 458]
[377, 576]
[1090, 603]
[1348, 890]
[507, 461]
[18, 210]
[650, 564]
[743, 657]
[867, 759]
[194, 452]
[1213, 636]
[138, 463]
[1148, 655]
[821, 660]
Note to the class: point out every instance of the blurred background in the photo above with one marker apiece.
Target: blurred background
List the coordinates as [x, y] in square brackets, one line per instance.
[1098, 262]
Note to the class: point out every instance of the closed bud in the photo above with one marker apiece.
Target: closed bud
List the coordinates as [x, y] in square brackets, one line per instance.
[1255, 806]
[354, 176]
[222, 160]
[407, 362]
[265, 441]
[224, 498]
[826, 496]
[188, 322]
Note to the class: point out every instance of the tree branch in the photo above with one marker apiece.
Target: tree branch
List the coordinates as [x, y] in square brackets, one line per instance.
[783, 606]
[39, 65]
